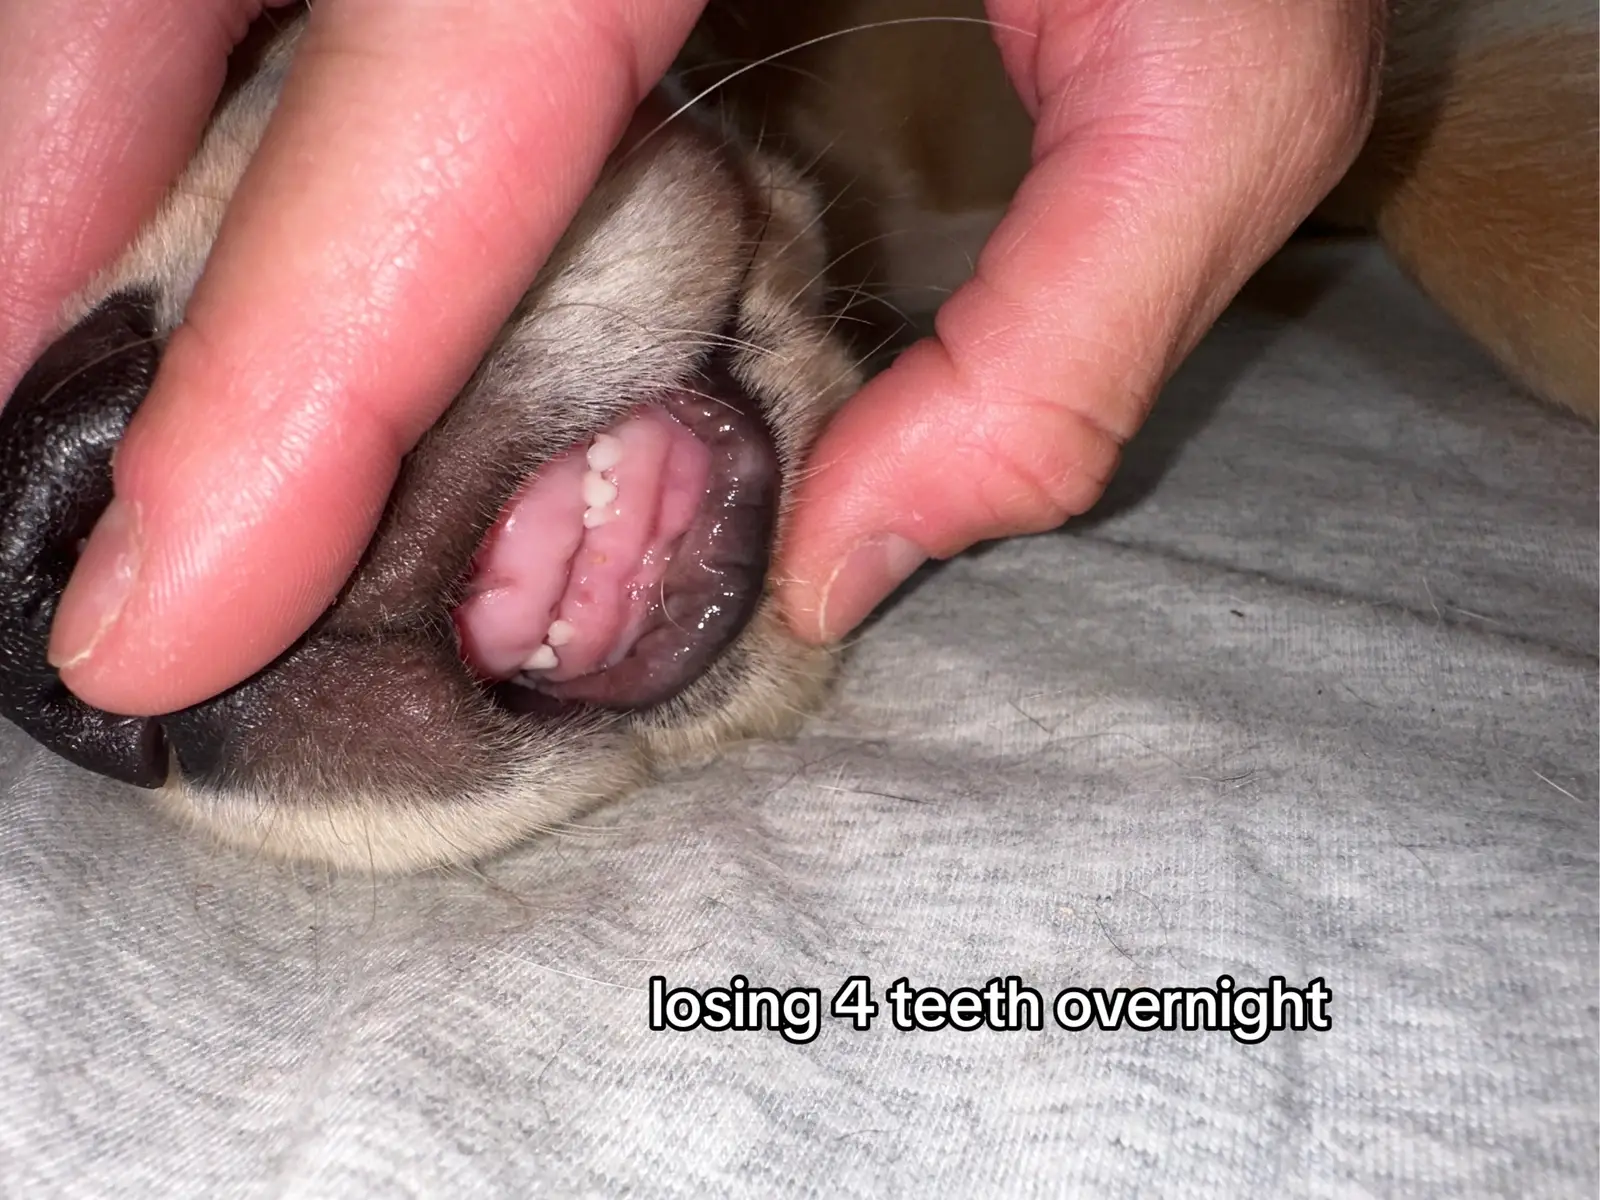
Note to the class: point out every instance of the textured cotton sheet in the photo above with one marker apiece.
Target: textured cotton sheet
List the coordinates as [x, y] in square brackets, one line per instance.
[1312, 694]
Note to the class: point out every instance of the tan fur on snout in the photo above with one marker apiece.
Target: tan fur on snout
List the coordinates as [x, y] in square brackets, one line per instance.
[390, 831]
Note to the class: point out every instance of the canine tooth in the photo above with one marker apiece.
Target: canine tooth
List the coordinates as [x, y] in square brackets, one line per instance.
[605, 453]
[593, 518]
[541, 659]
[598, 491]
[559, 633]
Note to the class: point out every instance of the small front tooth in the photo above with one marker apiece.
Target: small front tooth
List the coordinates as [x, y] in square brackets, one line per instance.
[598, 491]
[559, 633]
[605, 453]
[593, 518]
[541, 659]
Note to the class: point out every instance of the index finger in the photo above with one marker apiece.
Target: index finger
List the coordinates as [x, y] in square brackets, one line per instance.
[424, 160]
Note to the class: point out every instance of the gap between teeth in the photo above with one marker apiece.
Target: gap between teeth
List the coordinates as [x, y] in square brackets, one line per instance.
[599, 494]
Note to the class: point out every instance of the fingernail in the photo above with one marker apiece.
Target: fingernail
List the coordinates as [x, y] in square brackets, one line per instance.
[101, 584]
[859, 584]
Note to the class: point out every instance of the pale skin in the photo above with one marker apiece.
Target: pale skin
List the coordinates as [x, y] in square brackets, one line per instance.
[425, 159]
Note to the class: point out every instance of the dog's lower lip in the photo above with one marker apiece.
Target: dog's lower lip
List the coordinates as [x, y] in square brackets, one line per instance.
[703, 575]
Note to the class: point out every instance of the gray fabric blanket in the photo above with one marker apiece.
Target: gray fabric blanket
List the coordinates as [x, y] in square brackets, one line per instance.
[1311, 695]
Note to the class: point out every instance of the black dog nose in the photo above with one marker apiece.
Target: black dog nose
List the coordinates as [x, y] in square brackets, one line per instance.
[57, 433]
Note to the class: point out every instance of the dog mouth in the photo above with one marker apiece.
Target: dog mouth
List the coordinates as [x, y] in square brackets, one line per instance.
[614, 577]
[628, 563]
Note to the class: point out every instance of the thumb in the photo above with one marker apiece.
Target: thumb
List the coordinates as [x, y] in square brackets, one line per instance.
[1163, 177]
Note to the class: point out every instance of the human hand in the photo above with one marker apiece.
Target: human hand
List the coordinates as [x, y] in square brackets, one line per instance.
[425, 157]
[1177, 145]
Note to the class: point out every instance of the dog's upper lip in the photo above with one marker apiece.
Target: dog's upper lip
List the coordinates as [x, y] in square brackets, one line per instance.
[689, 558]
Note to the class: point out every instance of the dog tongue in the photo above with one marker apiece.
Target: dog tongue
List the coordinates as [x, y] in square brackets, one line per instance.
[572, 573]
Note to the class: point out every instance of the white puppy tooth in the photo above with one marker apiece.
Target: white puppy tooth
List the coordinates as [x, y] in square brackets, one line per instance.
[593, 518]
[605, 453]
[598, 491]
[541, 659]
[559, 633]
